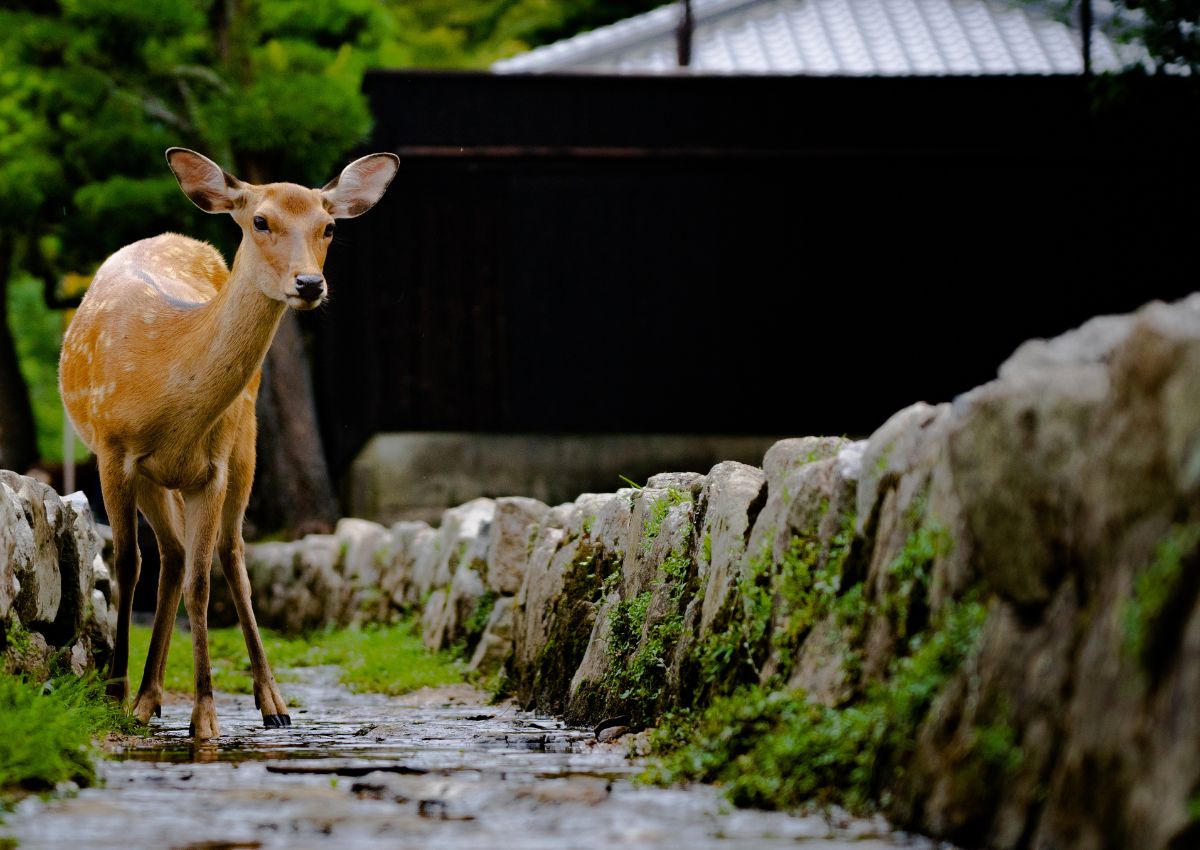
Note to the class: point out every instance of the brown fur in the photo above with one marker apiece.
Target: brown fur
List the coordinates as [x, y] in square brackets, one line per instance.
[160, 371]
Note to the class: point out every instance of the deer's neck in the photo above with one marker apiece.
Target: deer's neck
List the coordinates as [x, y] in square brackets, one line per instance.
[236, 330]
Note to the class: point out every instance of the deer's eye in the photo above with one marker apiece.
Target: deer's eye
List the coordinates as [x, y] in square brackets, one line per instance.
[260, 224]
[329, 230]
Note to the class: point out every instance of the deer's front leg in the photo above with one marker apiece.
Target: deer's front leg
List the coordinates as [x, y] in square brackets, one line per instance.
[203, 512]
[232, 553]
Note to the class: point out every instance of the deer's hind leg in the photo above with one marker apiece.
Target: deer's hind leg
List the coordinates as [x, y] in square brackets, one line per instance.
[164, 511]
[117, 483]
[231, 551]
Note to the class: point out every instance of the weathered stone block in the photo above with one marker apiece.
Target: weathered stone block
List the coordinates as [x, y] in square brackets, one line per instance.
[514, 526]
[733, 495]
[495, 644]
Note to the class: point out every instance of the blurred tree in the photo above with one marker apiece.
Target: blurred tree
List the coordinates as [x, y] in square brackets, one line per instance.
[475, 33]
[1170, 29]
[95, 90]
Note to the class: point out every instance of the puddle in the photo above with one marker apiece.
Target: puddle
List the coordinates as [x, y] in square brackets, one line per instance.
[369, 771]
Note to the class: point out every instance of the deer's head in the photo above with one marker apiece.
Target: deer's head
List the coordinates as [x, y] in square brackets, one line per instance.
[286, 229]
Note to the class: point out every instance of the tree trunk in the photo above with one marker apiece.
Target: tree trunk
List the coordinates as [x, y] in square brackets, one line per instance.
[292, 490]
[18, 435]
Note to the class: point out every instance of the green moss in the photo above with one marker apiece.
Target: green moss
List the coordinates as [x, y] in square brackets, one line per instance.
[706, 547]
[16, 636]
[996, 746]
[589, 523]
[572, 616]
[794, 593]
[384, 659]
[1150, 615]
[474, 626]
[775, 749]
[531, 539]
[730, 654]
[640, 652]
[652, 524]
[808, 586]
[48, 730]
[910, 573]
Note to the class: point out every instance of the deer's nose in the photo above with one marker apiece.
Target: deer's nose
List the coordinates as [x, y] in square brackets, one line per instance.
[308, 286]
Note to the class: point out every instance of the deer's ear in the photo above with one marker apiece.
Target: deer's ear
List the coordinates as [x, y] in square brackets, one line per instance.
[209, 186]
[360, 185]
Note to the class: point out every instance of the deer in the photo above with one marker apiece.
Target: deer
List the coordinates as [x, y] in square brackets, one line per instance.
[159, 372]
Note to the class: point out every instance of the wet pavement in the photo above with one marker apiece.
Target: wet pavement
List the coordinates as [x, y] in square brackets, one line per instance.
[434, 769]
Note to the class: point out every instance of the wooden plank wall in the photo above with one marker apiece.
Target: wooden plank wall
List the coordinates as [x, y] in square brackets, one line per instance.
[734, 255]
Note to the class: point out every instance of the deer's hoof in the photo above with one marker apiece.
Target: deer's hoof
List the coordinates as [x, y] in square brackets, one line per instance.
[118, 689]
[146, 705]
[276, 721]
[204, 720]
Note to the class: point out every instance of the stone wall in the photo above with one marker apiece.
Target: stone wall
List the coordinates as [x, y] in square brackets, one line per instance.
[55, 590]
[1061, 502]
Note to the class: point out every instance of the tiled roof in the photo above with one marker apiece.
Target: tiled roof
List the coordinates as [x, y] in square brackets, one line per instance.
[854, 37]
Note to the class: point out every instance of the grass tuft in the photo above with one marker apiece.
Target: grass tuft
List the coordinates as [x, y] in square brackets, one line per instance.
[47, 730]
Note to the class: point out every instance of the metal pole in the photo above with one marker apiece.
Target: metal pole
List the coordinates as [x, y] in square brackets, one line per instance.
[1085, 25]
[683, 35]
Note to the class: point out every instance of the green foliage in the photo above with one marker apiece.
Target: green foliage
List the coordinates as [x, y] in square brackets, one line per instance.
[996, 745]
[659, 508]
[796, 592]
[383, 659]
[476, 623]
[48, 730]
[910, 574]
[1156, 587]
[640, 652]
[775, 749]
[809, 584]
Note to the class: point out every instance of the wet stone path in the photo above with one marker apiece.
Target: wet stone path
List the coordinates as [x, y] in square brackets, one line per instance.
[436, 769]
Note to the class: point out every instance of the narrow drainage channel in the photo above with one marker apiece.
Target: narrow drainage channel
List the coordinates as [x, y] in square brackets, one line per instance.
[436, 769]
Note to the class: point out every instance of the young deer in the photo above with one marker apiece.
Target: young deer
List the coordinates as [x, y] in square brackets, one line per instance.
[159, 372]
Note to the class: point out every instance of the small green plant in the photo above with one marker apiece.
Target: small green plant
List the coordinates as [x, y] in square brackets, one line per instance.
[910, 571]
[706, 547]
[775, 749]
[1155, 589]
[476, 623]
[659, 509]
[48, 730]
[16, 636]
[639, 657]
[630, 482]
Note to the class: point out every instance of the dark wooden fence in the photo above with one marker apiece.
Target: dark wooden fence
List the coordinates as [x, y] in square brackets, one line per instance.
[741, 255]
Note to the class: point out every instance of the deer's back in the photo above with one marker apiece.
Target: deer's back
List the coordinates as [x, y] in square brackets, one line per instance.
[119, 350]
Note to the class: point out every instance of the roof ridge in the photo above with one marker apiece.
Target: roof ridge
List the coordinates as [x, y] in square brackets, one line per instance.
[963, 39]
